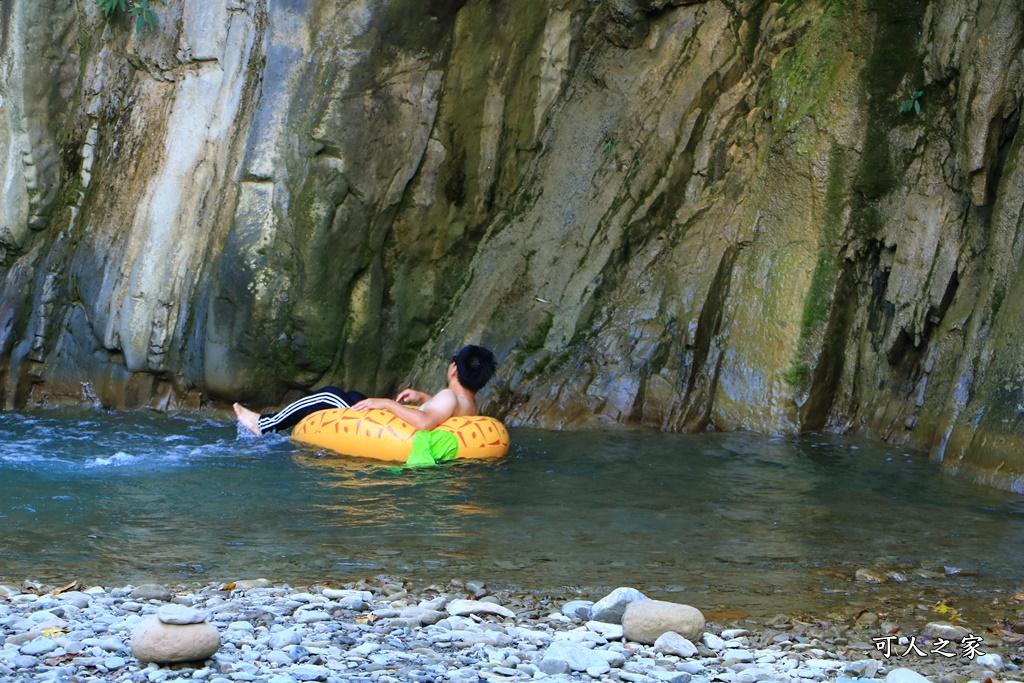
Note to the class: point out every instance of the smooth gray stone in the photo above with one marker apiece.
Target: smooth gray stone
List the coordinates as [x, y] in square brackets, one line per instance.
[114, 662]
[461, 608]
[75, 598]
[284, 638]
[24, 662]
[611, 607]
[278, 658]
[150, 592]
[38, 646]
[181, 615]
[671, 643]
[578, 657]
[577, 609]
[554, 667]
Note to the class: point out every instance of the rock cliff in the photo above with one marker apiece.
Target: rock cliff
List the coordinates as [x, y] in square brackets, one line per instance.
[775, 215]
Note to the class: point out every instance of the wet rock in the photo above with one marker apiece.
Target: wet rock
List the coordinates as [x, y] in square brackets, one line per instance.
[990, 661]
[610, 608]
[672, 643]
[945, 630]
[870, 576]
[645, 620]
[160, 643]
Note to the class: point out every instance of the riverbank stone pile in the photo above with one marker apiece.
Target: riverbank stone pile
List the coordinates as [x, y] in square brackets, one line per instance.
[381, 632]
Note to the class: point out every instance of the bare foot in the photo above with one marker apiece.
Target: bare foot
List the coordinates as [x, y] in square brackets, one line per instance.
[248, 419]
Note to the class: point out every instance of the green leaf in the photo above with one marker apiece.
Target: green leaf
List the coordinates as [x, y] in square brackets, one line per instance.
[108, 6]
[917, 107]
[906, 106]
[144, 16]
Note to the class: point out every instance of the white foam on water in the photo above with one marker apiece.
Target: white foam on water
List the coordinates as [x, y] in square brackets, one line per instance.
[119, 459]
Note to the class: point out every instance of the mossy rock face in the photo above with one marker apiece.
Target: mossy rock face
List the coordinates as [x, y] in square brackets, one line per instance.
[683, 214]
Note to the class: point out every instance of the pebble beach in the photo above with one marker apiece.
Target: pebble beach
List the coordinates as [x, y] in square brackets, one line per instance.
[384, 630]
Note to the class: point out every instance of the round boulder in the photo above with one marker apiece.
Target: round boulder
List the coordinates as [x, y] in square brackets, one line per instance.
[645, 620]
[160, 643]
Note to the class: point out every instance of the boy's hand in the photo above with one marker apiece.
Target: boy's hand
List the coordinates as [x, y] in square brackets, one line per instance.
[412, 396]
[370, 404]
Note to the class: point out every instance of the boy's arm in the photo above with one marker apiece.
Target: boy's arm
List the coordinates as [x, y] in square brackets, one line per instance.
[427, 416]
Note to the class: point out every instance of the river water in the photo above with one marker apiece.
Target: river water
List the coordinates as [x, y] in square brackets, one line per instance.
[734, 522]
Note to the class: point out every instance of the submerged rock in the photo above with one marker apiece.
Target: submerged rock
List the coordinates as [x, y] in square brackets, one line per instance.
[944, 630]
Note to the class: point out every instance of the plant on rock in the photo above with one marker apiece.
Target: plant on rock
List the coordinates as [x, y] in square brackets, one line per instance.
[912, 103]
[144, 15]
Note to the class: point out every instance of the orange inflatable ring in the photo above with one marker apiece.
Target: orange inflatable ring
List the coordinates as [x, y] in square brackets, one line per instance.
[381, 435]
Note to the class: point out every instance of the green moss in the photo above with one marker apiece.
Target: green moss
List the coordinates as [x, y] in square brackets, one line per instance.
[819, 300]
[998, 296]
[806, 77]
[535, 343]
[798, 375]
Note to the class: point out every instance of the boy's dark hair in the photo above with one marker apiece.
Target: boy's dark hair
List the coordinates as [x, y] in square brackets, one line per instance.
[474, 366]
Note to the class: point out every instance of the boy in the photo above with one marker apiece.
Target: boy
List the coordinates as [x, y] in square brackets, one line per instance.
[471, 368]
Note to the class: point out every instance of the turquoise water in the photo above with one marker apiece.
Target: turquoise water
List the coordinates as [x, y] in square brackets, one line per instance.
[729, 521]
